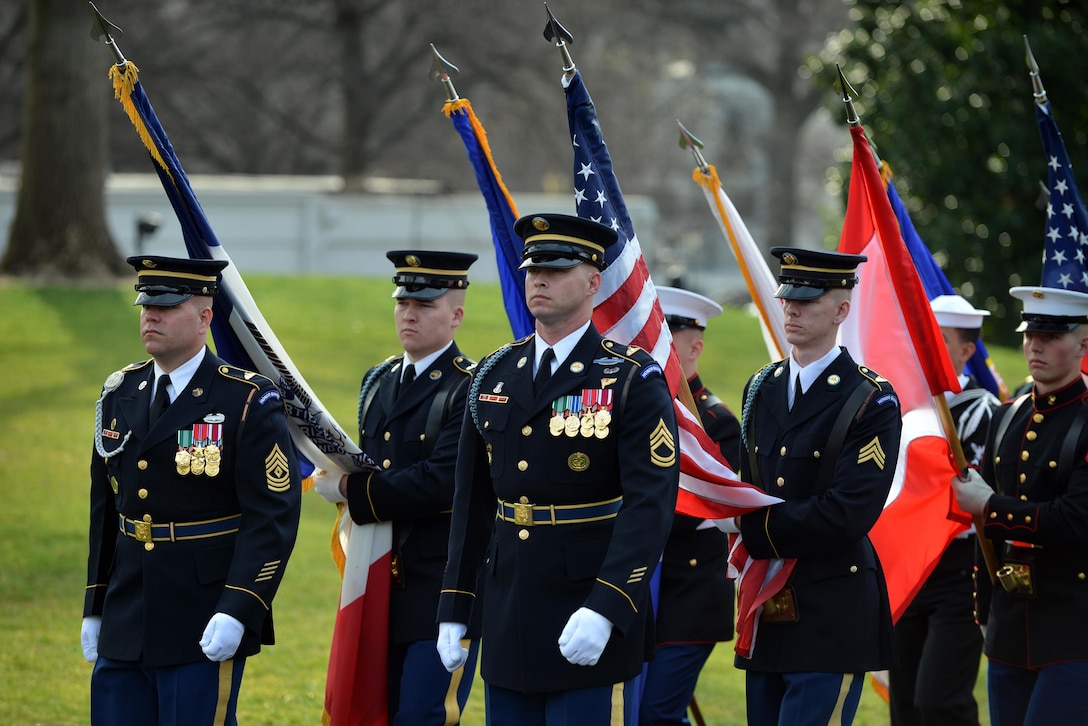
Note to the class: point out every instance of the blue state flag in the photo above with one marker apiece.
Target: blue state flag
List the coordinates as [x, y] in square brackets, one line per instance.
[502, 213]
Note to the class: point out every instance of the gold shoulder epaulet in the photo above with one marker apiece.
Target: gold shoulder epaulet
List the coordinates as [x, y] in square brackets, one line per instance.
[464, 364]
[879, 382]
[136, 366]
[627, 352]
[242, 375]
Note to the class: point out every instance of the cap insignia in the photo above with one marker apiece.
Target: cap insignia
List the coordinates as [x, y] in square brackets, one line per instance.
[149, 264]
[789, 259]
[412, 261]
[1037, 293]
[540, 224]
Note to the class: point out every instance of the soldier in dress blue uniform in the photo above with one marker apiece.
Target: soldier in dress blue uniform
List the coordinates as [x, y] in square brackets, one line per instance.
[194, 509]
[1036, 459]
[937, 638]
[695, 601]
[411, 408]
[566, 484]
[822, 433]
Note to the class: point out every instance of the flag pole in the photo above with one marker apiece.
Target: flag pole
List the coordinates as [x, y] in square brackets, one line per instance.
[440, 71]
[555, 32]
[1033, 70]
[104, 30]
[943, 410]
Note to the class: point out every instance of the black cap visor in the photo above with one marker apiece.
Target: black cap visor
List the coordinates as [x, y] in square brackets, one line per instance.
[793, 291]
[1057, 324]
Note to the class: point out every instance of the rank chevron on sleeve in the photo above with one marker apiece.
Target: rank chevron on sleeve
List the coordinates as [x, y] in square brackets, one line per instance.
[872, 452]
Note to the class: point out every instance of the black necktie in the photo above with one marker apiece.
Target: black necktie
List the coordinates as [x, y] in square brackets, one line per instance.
[162, 399]
[798, 392]
[544, 372]
[407, 378]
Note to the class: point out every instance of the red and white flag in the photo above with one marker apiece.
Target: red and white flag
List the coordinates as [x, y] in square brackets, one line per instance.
[891, 329]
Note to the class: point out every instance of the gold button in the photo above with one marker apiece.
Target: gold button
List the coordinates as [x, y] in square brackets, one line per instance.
[149, 546]
[997, 459]
[526, 430]
[386, 436]
[1009, 516]
[815, 454]
[147, 517]
[692, 562]
[142, 494]
[1031, 436]
[1037, 418]
[1051, 400]
[487, 424]
[783, 451]
[853, 568]
[1080, 575]
[523, 500]
[781, 482]
[141, 464]
[1023, 497]
[423, 437]
[1023, 478]
[993, 515]
[1024, 456]
[1027, 520]
[523, 534]
[386, 463]
[1052, 464]
[757, 448]
[523, 465]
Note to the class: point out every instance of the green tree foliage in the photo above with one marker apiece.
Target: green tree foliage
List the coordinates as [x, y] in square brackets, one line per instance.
[946, 97]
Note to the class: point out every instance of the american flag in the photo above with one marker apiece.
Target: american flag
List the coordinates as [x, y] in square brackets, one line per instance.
[627, 310]
[1066, 217]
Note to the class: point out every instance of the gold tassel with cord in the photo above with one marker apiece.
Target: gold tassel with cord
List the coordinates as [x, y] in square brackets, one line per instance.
[462, 104]
[124, 82]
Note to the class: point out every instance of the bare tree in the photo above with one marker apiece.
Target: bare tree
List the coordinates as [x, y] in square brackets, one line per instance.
[59, 229]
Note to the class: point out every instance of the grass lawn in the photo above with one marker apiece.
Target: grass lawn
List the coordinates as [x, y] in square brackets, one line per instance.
[57, 345]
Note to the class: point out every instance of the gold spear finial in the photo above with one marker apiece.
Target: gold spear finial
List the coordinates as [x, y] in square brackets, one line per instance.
[440, 71]
[690, 141]
[556, 33]
[104, 30]
[1033, 70]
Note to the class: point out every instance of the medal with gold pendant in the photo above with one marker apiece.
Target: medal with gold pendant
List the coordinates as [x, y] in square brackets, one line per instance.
[212, 459]
[197, 463]
[183, 461]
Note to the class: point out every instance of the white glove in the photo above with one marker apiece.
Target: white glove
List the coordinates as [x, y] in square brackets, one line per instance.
[327, 484]
[88, 637]
[222, 637]
[449, 645]
[973, 494]
[584, 637]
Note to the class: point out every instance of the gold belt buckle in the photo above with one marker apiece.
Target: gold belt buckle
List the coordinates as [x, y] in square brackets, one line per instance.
[523, 514]
[143, 530]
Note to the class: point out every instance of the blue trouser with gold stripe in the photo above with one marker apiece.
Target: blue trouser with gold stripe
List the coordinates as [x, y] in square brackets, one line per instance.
[600, 706]
[802, 699]
[421, 691]
[1053, 694]
[124, 693]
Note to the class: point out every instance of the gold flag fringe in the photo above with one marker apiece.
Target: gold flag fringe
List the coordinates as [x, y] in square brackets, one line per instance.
[124, 82]
[462, 104]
